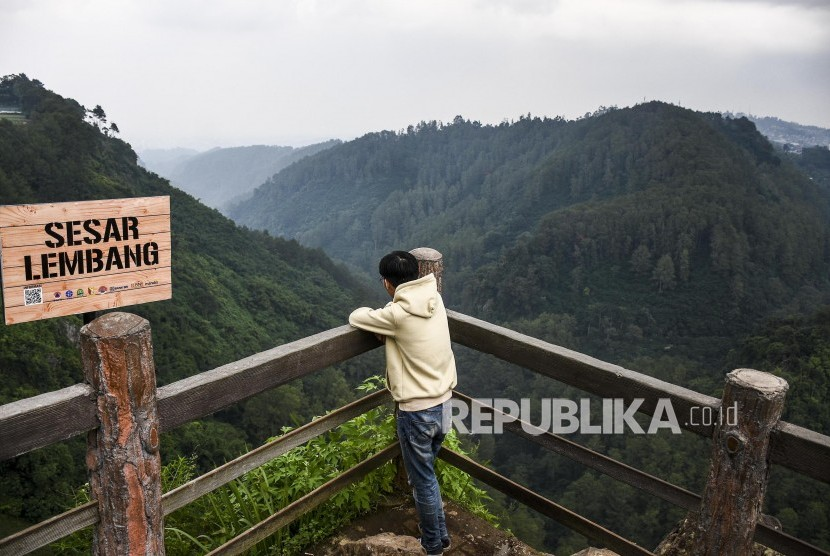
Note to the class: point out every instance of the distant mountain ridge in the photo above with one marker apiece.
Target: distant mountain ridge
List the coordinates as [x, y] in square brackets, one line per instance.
[790, 134]
[223, 175]
[577, 212]
[164, 161]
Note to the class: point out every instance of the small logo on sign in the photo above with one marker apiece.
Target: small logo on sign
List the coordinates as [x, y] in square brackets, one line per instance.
[69, 294]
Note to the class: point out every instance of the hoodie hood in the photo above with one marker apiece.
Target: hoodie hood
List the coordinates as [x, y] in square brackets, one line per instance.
[420, 365]
[418, 297]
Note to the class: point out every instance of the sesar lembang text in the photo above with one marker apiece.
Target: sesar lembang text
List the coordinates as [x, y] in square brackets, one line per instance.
[93, 255]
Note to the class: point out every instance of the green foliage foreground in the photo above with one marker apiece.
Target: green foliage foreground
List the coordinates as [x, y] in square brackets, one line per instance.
[228, 511]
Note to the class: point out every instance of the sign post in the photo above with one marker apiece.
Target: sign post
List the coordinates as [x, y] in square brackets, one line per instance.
[69, 258]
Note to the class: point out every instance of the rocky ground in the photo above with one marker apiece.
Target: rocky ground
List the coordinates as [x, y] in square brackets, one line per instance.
[393, 528]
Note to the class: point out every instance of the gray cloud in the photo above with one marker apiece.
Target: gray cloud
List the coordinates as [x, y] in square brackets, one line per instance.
[817, 4]
[190, 73]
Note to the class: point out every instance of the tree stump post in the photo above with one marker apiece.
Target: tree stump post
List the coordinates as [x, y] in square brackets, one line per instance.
[430, 260]
[738, 473]
[123, 452]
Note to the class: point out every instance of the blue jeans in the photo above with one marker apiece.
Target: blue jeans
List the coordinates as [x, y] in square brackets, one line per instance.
[420, 434]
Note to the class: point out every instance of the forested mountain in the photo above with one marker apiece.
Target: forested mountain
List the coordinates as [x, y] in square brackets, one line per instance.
[219, 176]
[659, 222]
[655, 237]
[235, 292]
[815, 162]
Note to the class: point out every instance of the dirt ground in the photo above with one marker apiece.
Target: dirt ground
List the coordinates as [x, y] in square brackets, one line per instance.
[470, 535]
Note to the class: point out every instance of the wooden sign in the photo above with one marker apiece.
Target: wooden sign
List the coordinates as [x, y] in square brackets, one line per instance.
[68, 258]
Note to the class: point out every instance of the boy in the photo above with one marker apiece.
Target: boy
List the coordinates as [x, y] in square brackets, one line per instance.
[420, 374]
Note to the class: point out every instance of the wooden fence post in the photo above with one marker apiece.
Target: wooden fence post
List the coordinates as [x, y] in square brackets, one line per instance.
[430, 260]
[733, 497]
[122, 453]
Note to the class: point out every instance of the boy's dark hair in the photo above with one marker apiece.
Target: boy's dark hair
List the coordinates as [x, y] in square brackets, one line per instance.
[399, 267]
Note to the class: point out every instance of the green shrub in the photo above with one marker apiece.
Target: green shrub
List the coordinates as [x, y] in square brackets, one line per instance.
[228, 511]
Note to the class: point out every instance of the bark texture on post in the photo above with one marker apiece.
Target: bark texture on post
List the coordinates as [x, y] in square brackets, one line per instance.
[430, 260]
[734, 493]
[122, 454]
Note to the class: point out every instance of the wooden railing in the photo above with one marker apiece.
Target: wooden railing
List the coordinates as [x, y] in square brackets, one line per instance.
[49, 418]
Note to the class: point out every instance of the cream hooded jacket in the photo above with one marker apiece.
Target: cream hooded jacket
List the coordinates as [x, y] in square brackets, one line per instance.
[420, 365]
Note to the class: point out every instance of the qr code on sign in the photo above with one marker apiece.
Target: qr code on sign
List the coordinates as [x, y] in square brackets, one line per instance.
[33, 296]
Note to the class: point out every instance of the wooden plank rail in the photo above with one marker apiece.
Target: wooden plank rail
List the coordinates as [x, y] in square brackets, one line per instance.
[76, 519]
[277, 521]
[802, 450]
[206, 393]
[797, 448]
[49, 418]
[544, 506]
[224, 474]
[772, 538]
[602, 463]
[43, 420]
[50, 530]
[577, 369]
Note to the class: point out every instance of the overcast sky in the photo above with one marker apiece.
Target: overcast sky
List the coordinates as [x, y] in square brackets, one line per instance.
[206, 73]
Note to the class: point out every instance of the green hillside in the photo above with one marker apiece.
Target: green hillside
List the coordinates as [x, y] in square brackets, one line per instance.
[659, 222]
[655, 237]
[815, 162]
[235, 292]
[709, 238]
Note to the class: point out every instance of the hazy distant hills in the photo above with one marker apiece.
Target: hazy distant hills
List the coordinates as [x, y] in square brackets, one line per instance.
[164, 162]
[796, 136]
[221, 175]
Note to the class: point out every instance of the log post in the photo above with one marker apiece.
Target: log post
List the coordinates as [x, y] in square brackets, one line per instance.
[430, 260]
[734, 493]
[123, 452]
[733, 497]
